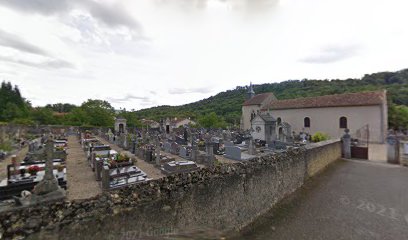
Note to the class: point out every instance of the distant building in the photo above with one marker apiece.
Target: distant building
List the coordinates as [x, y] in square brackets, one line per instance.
[170, 124]
[330, 114]
[150, 123]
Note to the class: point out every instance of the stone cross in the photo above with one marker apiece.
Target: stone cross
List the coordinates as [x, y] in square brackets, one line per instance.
[157, 150]
[49, 183]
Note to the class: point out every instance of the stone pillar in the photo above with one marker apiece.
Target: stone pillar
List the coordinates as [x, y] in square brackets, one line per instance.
[105, 178]
[393, 147]
[194, 153]
[210, 153]
[251, 148]
[346, 141]
[98, 169]
[157, 156]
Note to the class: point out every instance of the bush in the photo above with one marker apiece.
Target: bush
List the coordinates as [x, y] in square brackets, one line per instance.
[319, 136]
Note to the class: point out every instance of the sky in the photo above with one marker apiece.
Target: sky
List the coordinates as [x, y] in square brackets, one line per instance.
[142, 53]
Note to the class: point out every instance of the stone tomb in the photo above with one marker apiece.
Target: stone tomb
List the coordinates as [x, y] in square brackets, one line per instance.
[233, 152]
[179, 167]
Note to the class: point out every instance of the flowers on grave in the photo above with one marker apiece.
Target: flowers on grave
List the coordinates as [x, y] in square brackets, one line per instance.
[60, 168]
[121, 158]
[33, 169]
[201, 143]
[59, 148]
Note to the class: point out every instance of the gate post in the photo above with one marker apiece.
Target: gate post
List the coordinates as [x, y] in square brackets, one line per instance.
[393, 146]
[346, 141]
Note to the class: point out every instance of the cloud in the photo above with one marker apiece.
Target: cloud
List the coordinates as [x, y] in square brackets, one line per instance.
[189, 90]
[331, 54]
[128, 98]
[14, 41]
[46, 7]
[112, 15]
[50, 64]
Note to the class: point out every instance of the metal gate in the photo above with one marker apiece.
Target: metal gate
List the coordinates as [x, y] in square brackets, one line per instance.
[359, 147]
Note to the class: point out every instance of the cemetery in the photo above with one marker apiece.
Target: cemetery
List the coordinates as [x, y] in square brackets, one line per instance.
[117, 157]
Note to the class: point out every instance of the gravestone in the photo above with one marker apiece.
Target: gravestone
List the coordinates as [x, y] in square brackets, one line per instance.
[184, 153]
[174, 148]
[233, 152]
[228, 144]
[167, 147]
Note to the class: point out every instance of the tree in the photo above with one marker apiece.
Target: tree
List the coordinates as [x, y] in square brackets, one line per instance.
[212, 121]
[43, 116]
[99, 112]
[13, 106]
[398, 116]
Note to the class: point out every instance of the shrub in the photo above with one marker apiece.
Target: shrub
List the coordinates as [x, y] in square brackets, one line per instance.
[320, 136]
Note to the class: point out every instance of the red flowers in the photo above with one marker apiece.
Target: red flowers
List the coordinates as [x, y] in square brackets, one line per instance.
[33, 169]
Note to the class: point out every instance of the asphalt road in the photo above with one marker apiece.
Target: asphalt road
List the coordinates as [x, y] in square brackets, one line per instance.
[351, 200]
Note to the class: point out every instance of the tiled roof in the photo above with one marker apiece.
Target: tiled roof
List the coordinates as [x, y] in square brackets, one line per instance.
[337, 100]
[257, 99]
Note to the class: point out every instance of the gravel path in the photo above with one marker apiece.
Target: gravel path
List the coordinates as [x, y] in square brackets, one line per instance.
[3, 163]
[149, 169]
[80, 178]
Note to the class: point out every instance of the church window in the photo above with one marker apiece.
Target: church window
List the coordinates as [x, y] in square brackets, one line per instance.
[279, 120]
[343, 122]
[307, 122]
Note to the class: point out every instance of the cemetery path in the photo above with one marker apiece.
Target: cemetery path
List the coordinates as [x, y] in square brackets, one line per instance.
[80, 178]
[3, 164]
[149, 169]
[350, 200]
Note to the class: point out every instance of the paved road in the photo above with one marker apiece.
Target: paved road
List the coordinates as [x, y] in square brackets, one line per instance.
[352, 200]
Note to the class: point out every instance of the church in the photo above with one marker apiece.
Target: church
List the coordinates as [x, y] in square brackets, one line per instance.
[269, 118]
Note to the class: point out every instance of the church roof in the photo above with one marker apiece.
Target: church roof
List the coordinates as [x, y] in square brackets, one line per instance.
[257, 99]
[336, 100]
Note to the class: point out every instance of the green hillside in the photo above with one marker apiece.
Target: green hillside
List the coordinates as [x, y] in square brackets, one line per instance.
[228, 104]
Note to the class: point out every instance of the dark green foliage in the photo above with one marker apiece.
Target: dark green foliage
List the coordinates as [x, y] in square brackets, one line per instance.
[12, 105]
[212, 121]
[398, 116]
[61, 107]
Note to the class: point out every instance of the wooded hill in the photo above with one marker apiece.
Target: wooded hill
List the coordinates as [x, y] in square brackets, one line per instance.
[217, 111]
[228, 104]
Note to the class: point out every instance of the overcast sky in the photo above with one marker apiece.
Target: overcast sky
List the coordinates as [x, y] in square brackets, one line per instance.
[143, 53]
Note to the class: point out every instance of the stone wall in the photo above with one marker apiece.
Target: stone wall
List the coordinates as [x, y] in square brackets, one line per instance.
[321, 154]
[209, 201]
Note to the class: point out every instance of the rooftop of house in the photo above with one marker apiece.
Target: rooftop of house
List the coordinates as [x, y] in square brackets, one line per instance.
[336, 100]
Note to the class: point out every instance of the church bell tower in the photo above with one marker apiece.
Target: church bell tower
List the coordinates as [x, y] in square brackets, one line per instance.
[251, 92]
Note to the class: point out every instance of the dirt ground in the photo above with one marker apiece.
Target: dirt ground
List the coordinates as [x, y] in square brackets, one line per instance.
[80, 177]
[3, 163]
